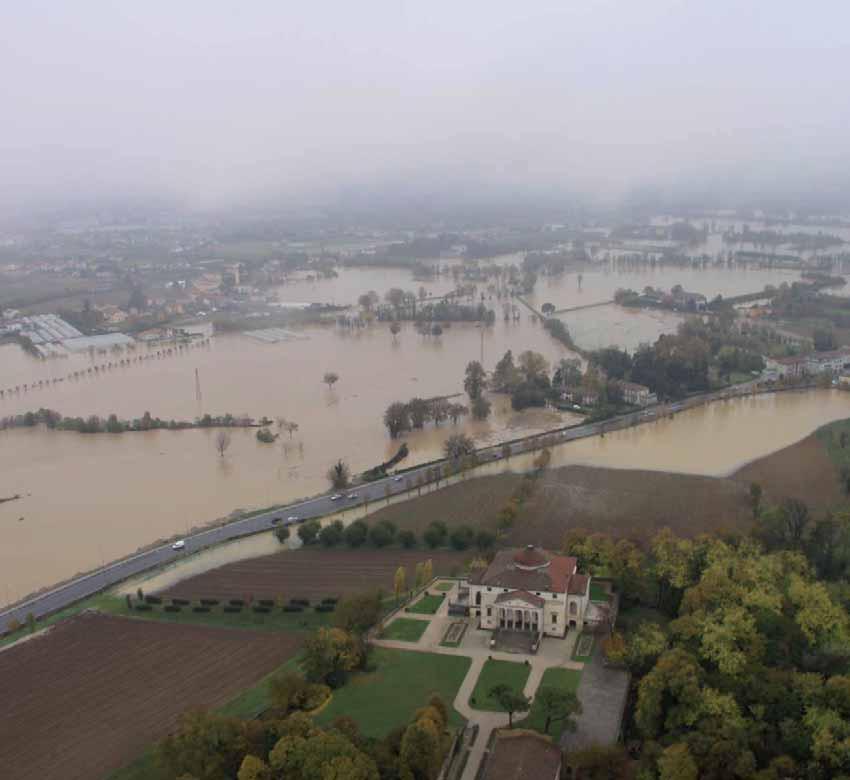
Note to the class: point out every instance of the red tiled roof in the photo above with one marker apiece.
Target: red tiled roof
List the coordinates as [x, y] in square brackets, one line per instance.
[504, 573]
[522, 595]
[578, 585]
[530, 556]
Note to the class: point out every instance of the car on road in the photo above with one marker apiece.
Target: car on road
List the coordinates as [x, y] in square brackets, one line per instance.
[293, 519]
[351, 496]
[276, 520]
[336, 497]
[179, 544]
[397, 479]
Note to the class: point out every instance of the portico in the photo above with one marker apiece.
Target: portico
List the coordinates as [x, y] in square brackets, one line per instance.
[519, 611]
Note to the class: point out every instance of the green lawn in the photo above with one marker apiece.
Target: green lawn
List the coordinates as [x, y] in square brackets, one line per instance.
[567, 679]
[830, 435]
[597, 592]
[276, 620]
[428, 604]
[402, 682]
[444, 586]
[405, 629]
[493, 673]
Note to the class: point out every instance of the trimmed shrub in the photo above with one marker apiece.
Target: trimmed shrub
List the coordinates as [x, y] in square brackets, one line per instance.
[330, 600]
[293, 608]
[208, 602]
[153, 600]
[325, 607]
[237, 602]
[180, 602]
[265, 602]
[261, 609]
[200, 609]
[232, 609]
[300, 602]
[144, 607]
[171, 608]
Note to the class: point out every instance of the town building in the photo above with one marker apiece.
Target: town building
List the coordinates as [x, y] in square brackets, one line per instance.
[833, 362]
[522, 755]
[637, 395]
[534, 591]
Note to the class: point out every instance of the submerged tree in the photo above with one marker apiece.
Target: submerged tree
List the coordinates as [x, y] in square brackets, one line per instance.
[222, 442]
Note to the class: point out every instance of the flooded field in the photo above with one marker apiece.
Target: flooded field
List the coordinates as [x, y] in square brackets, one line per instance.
[86, 499]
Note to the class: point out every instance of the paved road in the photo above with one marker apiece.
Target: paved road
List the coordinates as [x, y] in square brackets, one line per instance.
[87, 585]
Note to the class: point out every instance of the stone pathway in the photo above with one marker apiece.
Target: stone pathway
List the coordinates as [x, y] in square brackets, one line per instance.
[551, 655]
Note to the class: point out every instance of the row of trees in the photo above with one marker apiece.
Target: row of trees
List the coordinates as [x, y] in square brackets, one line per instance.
[400, 417]
[112, 424]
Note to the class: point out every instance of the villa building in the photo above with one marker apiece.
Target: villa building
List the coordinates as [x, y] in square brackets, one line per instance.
[532, 590]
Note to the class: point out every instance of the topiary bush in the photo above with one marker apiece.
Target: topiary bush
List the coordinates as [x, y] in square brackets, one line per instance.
[208, 602]
[200, 609]
[293, 608]
[171, 608]
[232, 609]
[153, 600]
[144, 607]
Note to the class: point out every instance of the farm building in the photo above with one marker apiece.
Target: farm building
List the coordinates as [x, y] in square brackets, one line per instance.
[535, 591]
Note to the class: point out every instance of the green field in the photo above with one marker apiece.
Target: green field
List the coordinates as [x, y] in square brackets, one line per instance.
[567, 679]
[405, 630]
[444, 586]
[492, 673]
[428, 604]
[402, 682]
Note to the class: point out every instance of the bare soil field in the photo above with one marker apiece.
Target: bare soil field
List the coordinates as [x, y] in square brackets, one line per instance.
[625, 502]
[96, 691]
[313, 573]
[803, 470]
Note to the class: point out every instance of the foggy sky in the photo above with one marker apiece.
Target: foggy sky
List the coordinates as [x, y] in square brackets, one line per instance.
[216, 103]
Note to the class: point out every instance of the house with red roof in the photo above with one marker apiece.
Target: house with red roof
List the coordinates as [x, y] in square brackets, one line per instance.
[530, 589]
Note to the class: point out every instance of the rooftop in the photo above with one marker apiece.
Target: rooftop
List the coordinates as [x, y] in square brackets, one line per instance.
[528, 570]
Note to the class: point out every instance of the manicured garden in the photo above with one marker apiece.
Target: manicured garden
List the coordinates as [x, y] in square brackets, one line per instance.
[400, 684]
[428, 604]
[511, 673]
[564, 679]
[444, 586]
[405, 630]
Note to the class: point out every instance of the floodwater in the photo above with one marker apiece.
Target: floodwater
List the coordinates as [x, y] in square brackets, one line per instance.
[91, 498]
[87, 499]
[712, 440]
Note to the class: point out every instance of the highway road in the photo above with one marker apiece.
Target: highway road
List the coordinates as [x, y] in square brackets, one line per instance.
[77, 589]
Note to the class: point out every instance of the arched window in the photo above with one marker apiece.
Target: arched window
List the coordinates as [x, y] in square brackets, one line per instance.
[573, 608]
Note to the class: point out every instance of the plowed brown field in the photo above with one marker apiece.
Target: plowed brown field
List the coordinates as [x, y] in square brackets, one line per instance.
[96, 691]
[313, 573]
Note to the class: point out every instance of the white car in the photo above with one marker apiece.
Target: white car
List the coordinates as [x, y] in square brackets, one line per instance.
[178, 545]
[336, 497]
[292, 519]
[351, 496]
[397, 479]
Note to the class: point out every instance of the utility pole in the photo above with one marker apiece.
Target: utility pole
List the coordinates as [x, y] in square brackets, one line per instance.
[197, 386]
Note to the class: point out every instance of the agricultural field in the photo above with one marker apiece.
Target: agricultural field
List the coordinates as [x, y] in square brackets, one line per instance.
[313, 573]
[96, 691]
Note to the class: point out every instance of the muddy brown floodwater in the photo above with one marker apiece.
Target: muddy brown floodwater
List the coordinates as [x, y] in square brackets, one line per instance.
[87, 499]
